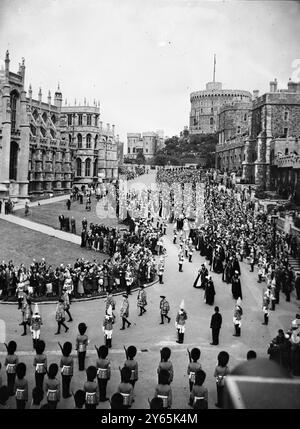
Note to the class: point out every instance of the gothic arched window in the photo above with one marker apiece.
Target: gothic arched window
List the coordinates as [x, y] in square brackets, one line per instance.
[13, 107]
[13, 161]
[78, 167]
[79, 141]
[87, 167]
[88, 141]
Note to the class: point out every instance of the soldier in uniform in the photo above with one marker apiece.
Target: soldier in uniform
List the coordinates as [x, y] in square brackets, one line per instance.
[26, 313]
[180, 260]
[40, 363]
[66, 365]
[180, 323]
[161, 269]
[60, 316]
[164, 309]
[52, 386]
[81, 345]
[91, 388]
[132, 364]
[266, 306]
[124, 313]
[21, 386]
[108, 326]
[165, 363]
[103, 371]
[237, 318]
[10, 363]
[126, 388]
[36, 323]
[193, 366]
[142, 300]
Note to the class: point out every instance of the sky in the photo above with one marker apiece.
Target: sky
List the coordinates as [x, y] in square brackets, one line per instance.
[142, 59]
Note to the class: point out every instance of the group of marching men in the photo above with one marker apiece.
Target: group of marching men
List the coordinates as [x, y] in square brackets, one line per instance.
[98, 375]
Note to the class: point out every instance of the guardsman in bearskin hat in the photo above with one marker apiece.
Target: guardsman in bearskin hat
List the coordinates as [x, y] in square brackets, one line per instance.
[110, 302]
[165, 363]
[237, 318]
[103, 371]
[142, 300]
[66, 365]
[108, 326]
[180, 322]
[40, 363]
[36, 323]
[10, 363]
[124, 312]
[132, 364]
[82, 341]
[193, 366]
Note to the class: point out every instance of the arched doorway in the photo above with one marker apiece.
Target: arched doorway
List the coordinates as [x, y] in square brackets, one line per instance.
[13, 161]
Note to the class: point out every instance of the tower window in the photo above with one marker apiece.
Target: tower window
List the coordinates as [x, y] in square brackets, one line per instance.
[88, 167]
[79, 141]
[70, 120]
[286, 116]
[285, 132]
[13, 106]
[78, 167]
[211, 121]
[89, 120]
[88, 141]
[80, 119]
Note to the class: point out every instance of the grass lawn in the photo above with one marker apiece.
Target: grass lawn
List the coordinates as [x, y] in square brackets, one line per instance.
[48, 214]
[22, 245]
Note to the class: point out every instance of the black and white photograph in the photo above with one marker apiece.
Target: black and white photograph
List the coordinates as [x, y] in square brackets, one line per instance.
[149, 208]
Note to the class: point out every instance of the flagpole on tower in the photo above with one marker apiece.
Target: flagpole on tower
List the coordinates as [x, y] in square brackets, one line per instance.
[214, 77]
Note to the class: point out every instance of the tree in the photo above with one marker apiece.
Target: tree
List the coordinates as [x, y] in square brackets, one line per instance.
[140, 158]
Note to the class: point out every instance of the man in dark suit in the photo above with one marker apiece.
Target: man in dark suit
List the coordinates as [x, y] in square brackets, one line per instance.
[215, 324]
[61, 219]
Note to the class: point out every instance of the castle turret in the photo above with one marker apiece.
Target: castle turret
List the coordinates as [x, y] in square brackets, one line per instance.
[49, 98]
[30, 93]
[22, 69]
[7, 61]
[58, 98]
[40, 95]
